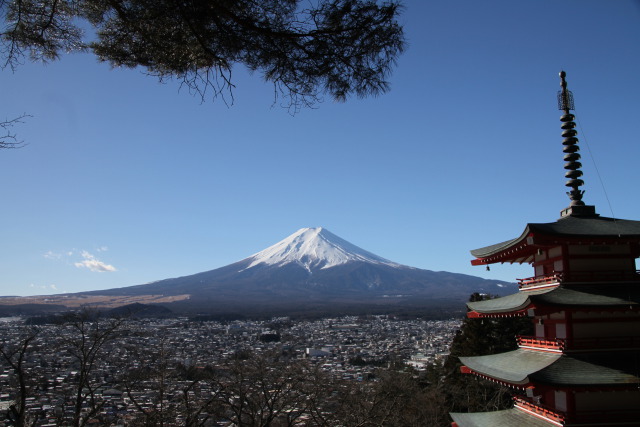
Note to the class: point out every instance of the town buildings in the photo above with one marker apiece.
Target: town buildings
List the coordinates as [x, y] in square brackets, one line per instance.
[346, 348]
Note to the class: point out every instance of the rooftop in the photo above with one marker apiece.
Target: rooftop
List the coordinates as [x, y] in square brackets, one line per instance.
[507, 418]
[521, 367]
[624, 295]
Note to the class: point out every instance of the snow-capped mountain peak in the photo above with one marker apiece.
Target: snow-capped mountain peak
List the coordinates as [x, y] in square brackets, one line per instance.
[314, 248]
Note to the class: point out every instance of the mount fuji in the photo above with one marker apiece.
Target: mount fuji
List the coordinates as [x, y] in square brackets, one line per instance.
[312, 269]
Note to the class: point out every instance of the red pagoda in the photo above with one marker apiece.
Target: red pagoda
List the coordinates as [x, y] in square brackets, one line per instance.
[582, 366]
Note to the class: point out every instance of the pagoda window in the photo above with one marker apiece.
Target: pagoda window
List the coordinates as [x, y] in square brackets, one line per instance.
[557, 266]
[540, 256]
[539, 270]
[539, 330]
[548, 262]
[560, 400]
[549, 331]
[543, 270]
[556, 251]
[561, 330]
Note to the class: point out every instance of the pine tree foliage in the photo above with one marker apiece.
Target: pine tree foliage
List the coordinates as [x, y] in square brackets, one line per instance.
[305, 48]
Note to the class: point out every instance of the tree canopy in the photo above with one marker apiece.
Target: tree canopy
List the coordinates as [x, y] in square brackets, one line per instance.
[305, 48]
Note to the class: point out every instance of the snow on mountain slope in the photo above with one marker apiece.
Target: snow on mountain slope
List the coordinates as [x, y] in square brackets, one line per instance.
[314, 248]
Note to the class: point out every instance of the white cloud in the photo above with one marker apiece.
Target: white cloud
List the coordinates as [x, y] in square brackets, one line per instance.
[51, 287]
[94, 264]
[89, 260]
[52, 255]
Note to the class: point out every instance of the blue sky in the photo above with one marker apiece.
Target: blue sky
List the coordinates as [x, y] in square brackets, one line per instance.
[125, 180]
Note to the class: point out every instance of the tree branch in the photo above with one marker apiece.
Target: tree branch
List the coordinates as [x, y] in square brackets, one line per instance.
[10, 139]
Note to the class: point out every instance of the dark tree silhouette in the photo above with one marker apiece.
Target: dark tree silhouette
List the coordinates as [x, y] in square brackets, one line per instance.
[262, 390]
[13, 353]
[467, 393]
[177, 388]
[305, 48]
[85, 341]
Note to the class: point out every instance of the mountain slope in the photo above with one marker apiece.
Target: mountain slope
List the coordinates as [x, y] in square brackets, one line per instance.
[313, 269]
[316, 265]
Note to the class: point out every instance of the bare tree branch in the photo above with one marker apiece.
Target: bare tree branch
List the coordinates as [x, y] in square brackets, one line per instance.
[8, 139]
[14, 354]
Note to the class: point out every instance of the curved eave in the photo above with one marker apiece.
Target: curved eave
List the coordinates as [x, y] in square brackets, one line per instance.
[521, 367]
[506, 418]
[512, 368]
[511, 304]
[593, 229]
[622, 296]
[480, 315]
[601, 369]
[511, 251]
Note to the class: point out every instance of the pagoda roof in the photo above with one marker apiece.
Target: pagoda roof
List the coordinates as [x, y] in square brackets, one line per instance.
[506, 418]
[507, 304]
[592, 227]
[513, 367]
[610, 295]
[522, 367]
[587, 369]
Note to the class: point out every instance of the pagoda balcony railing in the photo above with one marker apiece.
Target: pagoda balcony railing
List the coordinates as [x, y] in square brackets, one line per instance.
[555, 345]
[579, 276]
[578, 344]
[557, 416]
[540, 281]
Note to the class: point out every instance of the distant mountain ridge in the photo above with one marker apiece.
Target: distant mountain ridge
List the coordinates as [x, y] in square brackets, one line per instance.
[314, 266]
[310, 269]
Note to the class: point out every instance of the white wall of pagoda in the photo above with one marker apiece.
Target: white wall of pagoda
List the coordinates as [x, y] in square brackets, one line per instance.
[548, 261]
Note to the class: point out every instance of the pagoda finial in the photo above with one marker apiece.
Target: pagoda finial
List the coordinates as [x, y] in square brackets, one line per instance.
[571, 155]
[570, 142]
